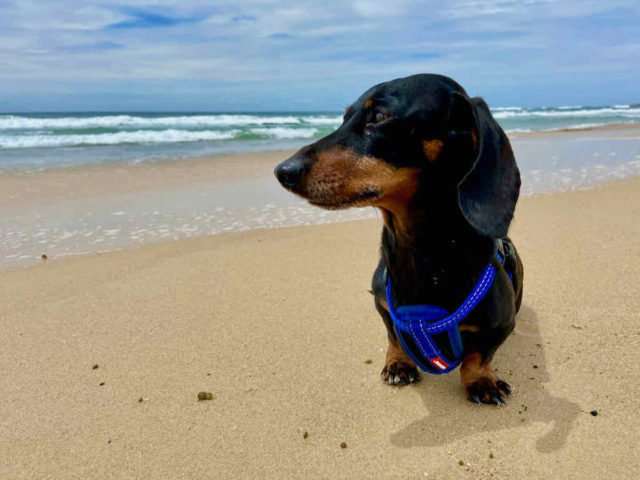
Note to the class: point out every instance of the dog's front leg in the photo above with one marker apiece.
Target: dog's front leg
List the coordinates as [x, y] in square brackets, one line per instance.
[398, 369]
[481, 382]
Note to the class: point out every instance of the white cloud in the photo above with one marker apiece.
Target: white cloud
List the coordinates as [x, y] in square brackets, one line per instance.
[277, 43]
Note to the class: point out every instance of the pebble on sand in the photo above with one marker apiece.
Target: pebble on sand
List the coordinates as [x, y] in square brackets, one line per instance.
[305, 434]
[343, 445]
[594, 412]
[368, 361]
[44, 256]
[95, 365]
[205, 396]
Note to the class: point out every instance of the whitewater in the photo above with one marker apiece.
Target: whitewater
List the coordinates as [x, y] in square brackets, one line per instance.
[46, 140]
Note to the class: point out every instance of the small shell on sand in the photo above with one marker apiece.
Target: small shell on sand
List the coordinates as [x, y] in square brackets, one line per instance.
[205, 396]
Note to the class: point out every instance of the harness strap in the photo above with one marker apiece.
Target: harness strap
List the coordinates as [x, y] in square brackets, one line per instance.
[417, 324]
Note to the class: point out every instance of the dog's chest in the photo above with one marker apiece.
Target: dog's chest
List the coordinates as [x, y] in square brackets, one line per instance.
[437, 278]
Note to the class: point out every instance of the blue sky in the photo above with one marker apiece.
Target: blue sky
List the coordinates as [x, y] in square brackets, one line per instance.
[317, 55]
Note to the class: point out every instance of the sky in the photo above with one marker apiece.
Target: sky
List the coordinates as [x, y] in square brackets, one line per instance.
[272, 55]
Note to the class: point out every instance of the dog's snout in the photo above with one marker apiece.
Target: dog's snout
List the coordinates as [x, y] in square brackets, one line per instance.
[291, 171]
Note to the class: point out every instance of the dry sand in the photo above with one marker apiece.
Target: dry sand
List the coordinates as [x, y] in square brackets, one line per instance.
[278, 324]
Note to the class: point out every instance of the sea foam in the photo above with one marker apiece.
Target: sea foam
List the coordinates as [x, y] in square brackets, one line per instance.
[633, 113]
[138, 136]
[14, 122]
[283, 132]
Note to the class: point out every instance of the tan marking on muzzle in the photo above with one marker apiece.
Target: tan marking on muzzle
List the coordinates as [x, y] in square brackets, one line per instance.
[341, 177]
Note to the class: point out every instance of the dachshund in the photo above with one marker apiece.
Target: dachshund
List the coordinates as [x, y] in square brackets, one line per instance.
[443, 174]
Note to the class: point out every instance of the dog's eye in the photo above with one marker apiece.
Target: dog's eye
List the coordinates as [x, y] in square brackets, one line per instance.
[378, 118]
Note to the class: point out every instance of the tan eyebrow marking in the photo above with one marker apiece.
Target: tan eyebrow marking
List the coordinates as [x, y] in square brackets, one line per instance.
[368, 103]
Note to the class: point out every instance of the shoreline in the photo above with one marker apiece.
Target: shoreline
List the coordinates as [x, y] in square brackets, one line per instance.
[123, 176]
[371, 215]
[632, 128]
[72, 210]
[279, 326]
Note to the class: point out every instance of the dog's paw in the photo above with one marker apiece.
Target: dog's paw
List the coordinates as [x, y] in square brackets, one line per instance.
[397, 373]
[486, 390]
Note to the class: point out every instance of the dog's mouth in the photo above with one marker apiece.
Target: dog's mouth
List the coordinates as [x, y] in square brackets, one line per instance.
[360, 199]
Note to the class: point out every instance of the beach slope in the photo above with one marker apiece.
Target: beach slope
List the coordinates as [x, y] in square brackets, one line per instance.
[279, 326]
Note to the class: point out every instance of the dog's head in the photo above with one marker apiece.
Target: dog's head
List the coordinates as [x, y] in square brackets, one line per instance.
[406, 135]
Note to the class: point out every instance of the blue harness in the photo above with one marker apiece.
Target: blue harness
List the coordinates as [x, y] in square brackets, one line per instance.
[416, 325]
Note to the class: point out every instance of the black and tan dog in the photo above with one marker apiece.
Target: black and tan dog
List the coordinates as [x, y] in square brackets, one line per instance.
[442, 172]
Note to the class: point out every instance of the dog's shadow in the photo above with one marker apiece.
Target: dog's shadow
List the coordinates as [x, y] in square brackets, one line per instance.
[521, 362]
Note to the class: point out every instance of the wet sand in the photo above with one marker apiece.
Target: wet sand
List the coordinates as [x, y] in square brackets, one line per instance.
[68, 211]
[278, 325]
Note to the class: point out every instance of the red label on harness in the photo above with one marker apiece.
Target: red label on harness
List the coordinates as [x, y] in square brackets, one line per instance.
[439, 363]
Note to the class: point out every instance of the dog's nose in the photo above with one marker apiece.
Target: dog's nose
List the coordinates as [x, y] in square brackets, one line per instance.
[290, 172]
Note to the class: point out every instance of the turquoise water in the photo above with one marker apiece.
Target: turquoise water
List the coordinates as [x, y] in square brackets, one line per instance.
[46, 140]
[36, 141]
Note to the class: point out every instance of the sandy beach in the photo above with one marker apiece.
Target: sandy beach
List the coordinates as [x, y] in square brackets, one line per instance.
[170, 309]
[278, 325]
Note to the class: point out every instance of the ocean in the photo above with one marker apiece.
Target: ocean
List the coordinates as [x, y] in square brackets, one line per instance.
[36, 141]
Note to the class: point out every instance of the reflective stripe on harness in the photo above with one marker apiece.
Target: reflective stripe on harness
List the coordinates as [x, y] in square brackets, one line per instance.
[416, 325]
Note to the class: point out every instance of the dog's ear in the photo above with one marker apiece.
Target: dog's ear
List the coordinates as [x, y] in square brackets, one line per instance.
[488, 193]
